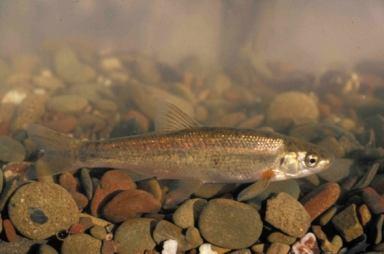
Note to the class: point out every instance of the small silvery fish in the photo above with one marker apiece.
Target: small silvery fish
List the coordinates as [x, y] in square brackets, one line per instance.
[182, 150]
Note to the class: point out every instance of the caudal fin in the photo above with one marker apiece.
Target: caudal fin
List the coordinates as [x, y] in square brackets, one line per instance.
[59, 152]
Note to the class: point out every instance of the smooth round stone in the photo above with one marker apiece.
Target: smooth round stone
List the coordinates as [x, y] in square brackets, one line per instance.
[186, 215]
[67, 103]
[287, 214]
[230, 224]
[11, 150]
[80, 244]
[292, 108]
[134, 236]
[39, 210]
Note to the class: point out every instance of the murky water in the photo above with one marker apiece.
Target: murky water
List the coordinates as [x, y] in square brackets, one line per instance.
[96, 71]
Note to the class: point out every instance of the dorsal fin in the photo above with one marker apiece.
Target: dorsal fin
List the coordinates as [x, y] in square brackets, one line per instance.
[171, 118]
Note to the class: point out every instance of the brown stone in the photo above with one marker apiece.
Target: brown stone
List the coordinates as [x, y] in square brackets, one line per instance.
[68, 181]
[374, 200]
[10, 231]
[77, 228]
[128, 204]
[322, 198]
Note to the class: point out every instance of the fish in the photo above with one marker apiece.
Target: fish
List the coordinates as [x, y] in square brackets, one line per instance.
[182, 149]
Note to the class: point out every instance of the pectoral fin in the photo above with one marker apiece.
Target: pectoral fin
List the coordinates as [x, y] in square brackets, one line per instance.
[180, 191]
[253, 190]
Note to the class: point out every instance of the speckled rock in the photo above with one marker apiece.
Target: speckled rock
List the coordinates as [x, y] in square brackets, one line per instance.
[320, 199]
[80, 244]
[347, 223]
[291, 108]
[134, 236]
[230, 224]
[23, 245]
[287, 214]
[11, 150]
[35, 212]
[186, 214]
[67, 103]
[47, 249]
[165, 230]
[128, 204]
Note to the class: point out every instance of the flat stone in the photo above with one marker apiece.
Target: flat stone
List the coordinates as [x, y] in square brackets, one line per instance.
[36, 213]
[98, 232]
[374, 200]
[287, 214]
[320, 199]
[129, 204]
[67, 103]
[166, 230]
[80, 244]
[86, 182]
[187, 213]
[11, 150]
[230, 224]
[134, 236]
[347, 223]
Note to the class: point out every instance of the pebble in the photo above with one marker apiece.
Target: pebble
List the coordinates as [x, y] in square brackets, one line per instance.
[230, 224]
[98, 232]
[11, 150]
[67, 103]
[10, 231]
[253, 190]
[278, 248]
[134, 236]
[47, 249]
[86, 182]
[347, 223]
[338, 170]
[69, 68]
[108, 247]
[129, 204]
[327, 216]
[110, 182]
[320, 199]
[306, 245]
[23, 245]
[334, 246]
[290, 187]
[206, 248]
[187, 213]
[258, 248]
[76, 228]
[169, 247]
[278, 237]
[152, 186]
[365, 215]
[35, 212]
[379, 229]
[368, 176]
[80, 244]
[165, 230]
[291, 108]
[287, 214]
[63, 123]
[374, 201]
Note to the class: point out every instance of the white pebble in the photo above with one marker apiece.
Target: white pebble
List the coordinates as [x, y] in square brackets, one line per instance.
[169, 247]
[206, 248]
[14, 96]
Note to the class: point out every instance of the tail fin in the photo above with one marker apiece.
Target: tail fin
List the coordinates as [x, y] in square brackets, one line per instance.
[59, 152]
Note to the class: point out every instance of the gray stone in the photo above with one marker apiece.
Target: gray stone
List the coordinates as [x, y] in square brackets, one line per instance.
[230, 224]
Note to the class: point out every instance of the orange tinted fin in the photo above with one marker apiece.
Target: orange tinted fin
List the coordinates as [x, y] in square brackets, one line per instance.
[267, 174]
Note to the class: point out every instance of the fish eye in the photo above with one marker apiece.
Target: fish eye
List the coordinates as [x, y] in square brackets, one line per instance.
[311, 160]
